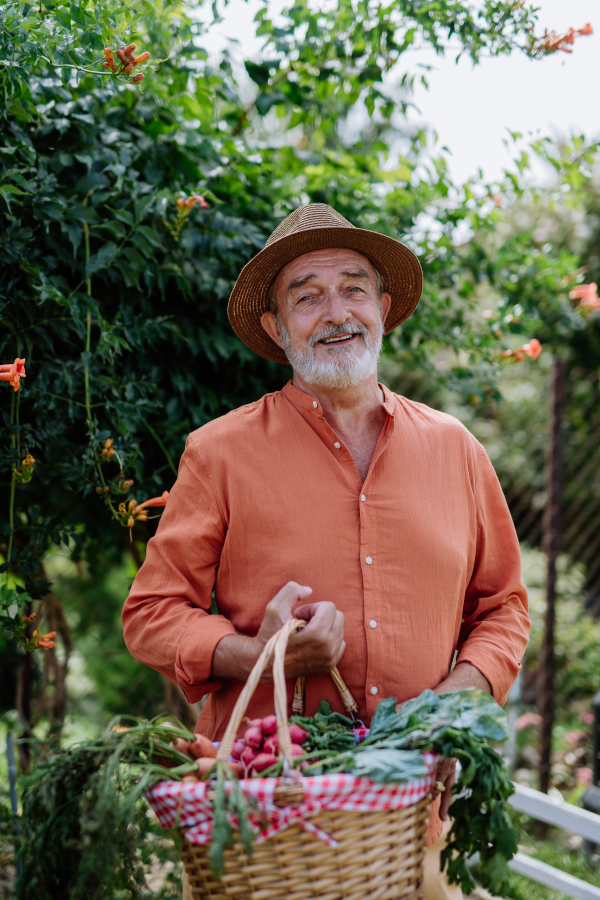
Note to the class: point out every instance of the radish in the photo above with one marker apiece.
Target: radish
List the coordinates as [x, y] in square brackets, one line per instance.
[263, 761]
[238, 749]
[297, 734]
[269, 725]
[297, 750]
[271, 745]
[254, 737]
[249, 755]
[255, 723]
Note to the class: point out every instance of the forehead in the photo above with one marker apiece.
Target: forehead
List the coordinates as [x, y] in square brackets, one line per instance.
[324, 264]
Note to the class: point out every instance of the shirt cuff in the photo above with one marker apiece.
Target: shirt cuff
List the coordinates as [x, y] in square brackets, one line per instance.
[195, 651]
[499, 669]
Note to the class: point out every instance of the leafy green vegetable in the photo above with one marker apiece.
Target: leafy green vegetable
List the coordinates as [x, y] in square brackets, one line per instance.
[327, 730]
[225, 806]
[385, 766]
[457, 725]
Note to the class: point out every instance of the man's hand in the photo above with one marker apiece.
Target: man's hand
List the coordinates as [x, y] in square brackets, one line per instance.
[445, 776]
[464, 675]
[315, 649]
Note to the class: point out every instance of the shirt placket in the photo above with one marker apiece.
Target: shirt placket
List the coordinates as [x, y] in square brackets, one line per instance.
[373, 612]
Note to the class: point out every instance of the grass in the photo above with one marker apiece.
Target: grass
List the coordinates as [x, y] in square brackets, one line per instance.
[553, 850]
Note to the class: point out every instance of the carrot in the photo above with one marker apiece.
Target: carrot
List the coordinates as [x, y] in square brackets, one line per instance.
[205, 764]
[201, 746]
[182, 745]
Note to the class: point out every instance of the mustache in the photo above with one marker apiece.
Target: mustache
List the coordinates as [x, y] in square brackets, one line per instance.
[334, 330]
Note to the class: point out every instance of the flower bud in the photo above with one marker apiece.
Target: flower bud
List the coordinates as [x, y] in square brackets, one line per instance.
[137, 78]
[98, 490]
[108, 443]
[141, 58]
[130, 522]
[110, 453]
[129, 50]
[128, 69]
[108, 54]
[121, 54]
[180, 203]
[106, 65]
[105, 488]
[127, 484]
[142, 517]
[131, 505]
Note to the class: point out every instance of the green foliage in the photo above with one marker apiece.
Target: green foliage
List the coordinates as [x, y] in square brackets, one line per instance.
[84, 821]
[106, 678]
[577, 666]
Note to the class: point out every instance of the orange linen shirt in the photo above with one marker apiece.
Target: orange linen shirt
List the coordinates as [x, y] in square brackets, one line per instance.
[422, 558]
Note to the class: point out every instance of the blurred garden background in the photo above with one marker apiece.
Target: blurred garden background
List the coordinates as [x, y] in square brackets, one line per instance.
[132, 191]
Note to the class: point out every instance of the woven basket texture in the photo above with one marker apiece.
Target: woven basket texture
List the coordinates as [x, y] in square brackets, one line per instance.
[379, 856]
[317, 227]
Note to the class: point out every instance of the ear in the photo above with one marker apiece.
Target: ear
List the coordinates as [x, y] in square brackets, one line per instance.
[384, 306]
[269, 323]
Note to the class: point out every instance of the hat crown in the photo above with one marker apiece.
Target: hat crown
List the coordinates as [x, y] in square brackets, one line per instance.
[305, 218]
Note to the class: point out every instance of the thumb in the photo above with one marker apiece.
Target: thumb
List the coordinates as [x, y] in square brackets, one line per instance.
[289, 595]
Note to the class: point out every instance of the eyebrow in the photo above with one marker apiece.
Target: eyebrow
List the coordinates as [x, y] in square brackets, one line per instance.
[300, 282]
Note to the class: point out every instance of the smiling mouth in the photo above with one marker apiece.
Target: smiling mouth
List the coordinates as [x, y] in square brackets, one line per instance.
[338, 339]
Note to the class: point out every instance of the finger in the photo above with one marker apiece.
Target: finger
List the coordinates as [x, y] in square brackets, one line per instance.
[306, 611]
[320, 621]
[340, 653]
[445, 804]
[289, 595]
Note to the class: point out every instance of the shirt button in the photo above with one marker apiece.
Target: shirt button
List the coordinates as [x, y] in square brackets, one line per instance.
[373, 623]
[369, 560]
[315, 404]
[363, 498]
[337, 445]
[374, 690]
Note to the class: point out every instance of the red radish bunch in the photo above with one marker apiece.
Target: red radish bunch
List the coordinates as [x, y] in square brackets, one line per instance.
[259, 747]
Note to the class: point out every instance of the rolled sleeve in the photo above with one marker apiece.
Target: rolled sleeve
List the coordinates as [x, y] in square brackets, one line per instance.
[166, 619]
[496, 624]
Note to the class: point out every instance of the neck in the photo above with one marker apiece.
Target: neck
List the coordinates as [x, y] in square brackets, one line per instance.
[351, 405]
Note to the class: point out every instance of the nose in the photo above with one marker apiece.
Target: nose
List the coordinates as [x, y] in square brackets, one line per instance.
[335, 310]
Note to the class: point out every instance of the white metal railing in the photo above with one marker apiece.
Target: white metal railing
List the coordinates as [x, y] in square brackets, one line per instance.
[555, 812]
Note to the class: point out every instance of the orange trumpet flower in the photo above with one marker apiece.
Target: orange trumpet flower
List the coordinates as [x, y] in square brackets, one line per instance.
[154, 501]
[46, 640]
[587, 294]
[13, 372]
[532, 349]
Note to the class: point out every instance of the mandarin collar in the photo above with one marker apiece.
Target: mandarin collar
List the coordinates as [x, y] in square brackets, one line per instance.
[307, 401]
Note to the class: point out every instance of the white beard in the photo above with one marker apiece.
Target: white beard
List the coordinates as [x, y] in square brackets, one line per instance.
[345, 368]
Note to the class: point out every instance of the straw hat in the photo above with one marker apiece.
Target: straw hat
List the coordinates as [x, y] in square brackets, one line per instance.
[318, 227]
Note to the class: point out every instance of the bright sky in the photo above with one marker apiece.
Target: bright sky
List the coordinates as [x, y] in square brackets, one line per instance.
[472, 108]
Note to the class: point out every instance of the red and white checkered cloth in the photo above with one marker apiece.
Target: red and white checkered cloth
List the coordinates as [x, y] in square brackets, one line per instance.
[185, 805]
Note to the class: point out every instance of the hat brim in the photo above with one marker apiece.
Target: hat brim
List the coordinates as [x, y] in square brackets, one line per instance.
[399, 268]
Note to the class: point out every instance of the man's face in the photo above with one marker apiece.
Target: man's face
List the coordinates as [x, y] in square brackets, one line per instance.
[330, 318]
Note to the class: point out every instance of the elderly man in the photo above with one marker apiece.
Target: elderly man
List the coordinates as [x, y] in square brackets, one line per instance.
[378, 520]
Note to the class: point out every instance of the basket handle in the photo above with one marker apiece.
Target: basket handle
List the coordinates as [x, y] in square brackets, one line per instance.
[350, 704]
[275, 647]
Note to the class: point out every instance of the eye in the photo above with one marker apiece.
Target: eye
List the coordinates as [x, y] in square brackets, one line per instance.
[304, 297]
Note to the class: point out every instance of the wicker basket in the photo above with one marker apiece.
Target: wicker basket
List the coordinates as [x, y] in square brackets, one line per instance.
[379, 854]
